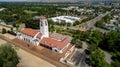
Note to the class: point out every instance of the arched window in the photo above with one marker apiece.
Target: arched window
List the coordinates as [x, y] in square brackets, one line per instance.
[45, 22]
[41, 23]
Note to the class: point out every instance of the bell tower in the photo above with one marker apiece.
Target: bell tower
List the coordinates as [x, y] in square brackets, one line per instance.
[44, 26]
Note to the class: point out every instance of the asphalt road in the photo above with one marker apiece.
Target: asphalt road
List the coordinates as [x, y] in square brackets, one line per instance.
[92, 22]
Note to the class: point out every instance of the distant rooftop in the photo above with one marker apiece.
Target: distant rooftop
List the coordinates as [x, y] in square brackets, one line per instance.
[60, 36]
[67, 19]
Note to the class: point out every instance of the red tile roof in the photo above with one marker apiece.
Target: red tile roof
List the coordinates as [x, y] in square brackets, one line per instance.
[64, 42]
[52, 42]
[39, 35]
[31, 32]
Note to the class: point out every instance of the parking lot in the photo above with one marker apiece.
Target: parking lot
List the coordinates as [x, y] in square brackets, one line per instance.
[79, 58]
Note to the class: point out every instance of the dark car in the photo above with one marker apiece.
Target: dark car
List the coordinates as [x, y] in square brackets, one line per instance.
[11, 32]
[87, 51]
[87, 61]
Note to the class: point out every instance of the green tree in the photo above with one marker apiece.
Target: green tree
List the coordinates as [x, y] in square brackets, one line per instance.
[51, 28]
[3, 31]
[14, 25]
[63, 23]
[104, 19]
[96, 37]
[97, 58]
[8, 18]
[116, 56]
[115, 64]
[76, 42]
[76, 23]
[11, 28]
[50, 22]
[17, 27]
[8, 56]
[68, 24]
[92, 47]
[84, 36]
[111, 41]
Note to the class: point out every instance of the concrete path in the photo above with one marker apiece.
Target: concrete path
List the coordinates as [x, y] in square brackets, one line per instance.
[108, 57]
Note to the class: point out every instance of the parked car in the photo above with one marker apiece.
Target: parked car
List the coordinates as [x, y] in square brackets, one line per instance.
[11, 32]
[87, 61]
[87, 51]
